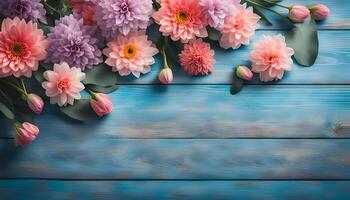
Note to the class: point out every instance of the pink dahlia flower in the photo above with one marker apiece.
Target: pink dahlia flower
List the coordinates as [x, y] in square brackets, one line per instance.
[132, 53]
[25, 133]
[22, 46]
[63, 84]
[197, 58]
[271, 57]
[238, 30]
[181, 19]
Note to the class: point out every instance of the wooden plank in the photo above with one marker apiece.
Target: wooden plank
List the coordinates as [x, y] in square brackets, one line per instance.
[86, 157]
[209, 111]
[330, 68]
[169, 190]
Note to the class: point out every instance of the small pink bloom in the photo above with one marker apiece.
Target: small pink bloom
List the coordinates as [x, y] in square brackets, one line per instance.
[87, 10]
[25, 133]
[35, 103]
[63, 84]
[319, 12]
[101, 104]
[22, 46]
[238, 29]
[197, 58]
[244, 72]
[298, 13]
[271, 57]
[166, 76]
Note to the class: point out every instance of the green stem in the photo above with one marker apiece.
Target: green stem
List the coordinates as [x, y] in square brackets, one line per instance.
[14, 86]
[264, 7]
[162, 51]
[277, 4]
[7, 99]
[52, 8]
[24, 86]
[92, 94]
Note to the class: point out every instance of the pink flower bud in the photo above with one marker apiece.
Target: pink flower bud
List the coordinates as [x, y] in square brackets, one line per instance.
[166, 76]
[298, 13]
[25, 133]
[35, 103]
[319, 12]
[244, 73]
[101, 104]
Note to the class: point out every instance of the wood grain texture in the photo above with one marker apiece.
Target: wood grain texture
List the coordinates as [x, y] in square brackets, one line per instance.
[170, 190]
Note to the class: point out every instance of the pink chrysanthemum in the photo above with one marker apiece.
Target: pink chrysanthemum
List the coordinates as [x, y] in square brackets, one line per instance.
[271, 57]
[197, 58]
[22, 46]
[238, 30]
[132, 53]
[181, 19]
[63, 84]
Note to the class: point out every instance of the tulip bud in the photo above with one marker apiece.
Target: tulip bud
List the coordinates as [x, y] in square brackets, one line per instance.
[244, 73]
[166, 76]
[319, 11]
[101, 104]
[35, 103]
[25, 133]
[298, 13]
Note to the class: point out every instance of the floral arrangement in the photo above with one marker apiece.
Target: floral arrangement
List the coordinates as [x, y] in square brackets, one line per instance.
[69, 52]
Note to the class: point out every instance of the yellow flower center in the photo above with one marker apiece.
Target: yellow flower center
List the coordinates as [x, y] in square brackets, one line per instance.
[17, 49]
[181, 17]
[130, 51]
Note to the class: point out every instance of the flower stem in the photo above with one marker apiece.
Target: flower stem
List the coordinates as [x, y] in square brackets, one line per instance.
[52, 8]
[92, 94]
[162, 51]
[14, 86]
[277, 4]
[7, 98]
[23, 86]
[264, 7]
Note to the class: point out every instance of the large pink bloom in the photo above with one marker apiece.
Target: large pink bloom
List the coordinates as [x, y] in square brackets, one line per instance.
[181, 19]
[238, 30]
[132, 53]
[22, 46]
[271, 57]
[63, 84]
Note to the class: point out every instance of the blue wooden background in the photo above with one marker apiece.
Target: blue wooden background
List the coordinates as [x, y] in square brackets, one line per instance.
[193, 140]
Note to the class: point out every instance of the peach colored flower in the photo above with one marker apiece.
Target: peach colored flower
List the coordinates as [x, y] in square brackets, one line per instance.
[271, 57]
[63, 84]
[197, 58]
[25, 133]
[22, 46]
[132, 53]
[181, 19]
[238, 30]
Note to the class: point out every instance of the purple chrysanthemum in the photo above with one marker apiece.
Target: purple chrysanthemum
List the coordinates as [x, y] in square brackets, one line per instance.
[123, 16]
[73, 42]
[218, 10]
[24, 9]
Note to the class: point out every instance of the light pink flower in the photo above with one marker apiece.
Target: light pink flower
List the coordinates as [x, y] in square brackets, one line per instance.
[271, 57]
[181, 19]
[25, 133]
[22, 46]
[319, 12]
[238, 29]
[197, 58]
[166, 76]
[244, 73]
[132, 53]
[101, 104]
[298, 13]
[35, 103]
[63, 84]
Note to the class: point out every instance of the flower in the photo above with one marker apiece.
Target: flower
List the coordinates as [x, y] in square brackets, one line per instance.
[101, 104]
[181, 19]
[63, 84]
[166, 76]
[238, 29]
[86, 8]
[22, 46]
[319, 12]
[123, 16]
[271, 57]
[25, 133]
[298, 13]
[244, 73]
[35, 103]
[197, 58]
[218, 10]
[29, 10]
[132, 53]
[72, 42]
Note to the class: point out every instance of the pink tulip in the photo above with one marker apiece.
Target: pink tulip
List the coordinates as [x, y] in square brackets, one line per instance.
[298, 13]
[244, 73]
[319, 12]
[25, 133]
[35, 103]
[101, 104]
[166, 76]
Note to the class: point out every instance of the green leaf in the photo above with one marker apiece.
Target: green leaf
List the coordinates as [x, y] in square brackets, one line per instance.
[213, 34]
[38, 75]
[304, 40]
[6, 111]
[81, 110]
[237, 83]
[106, 90]
[268, 3]
[262, 15]
[100, 75]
